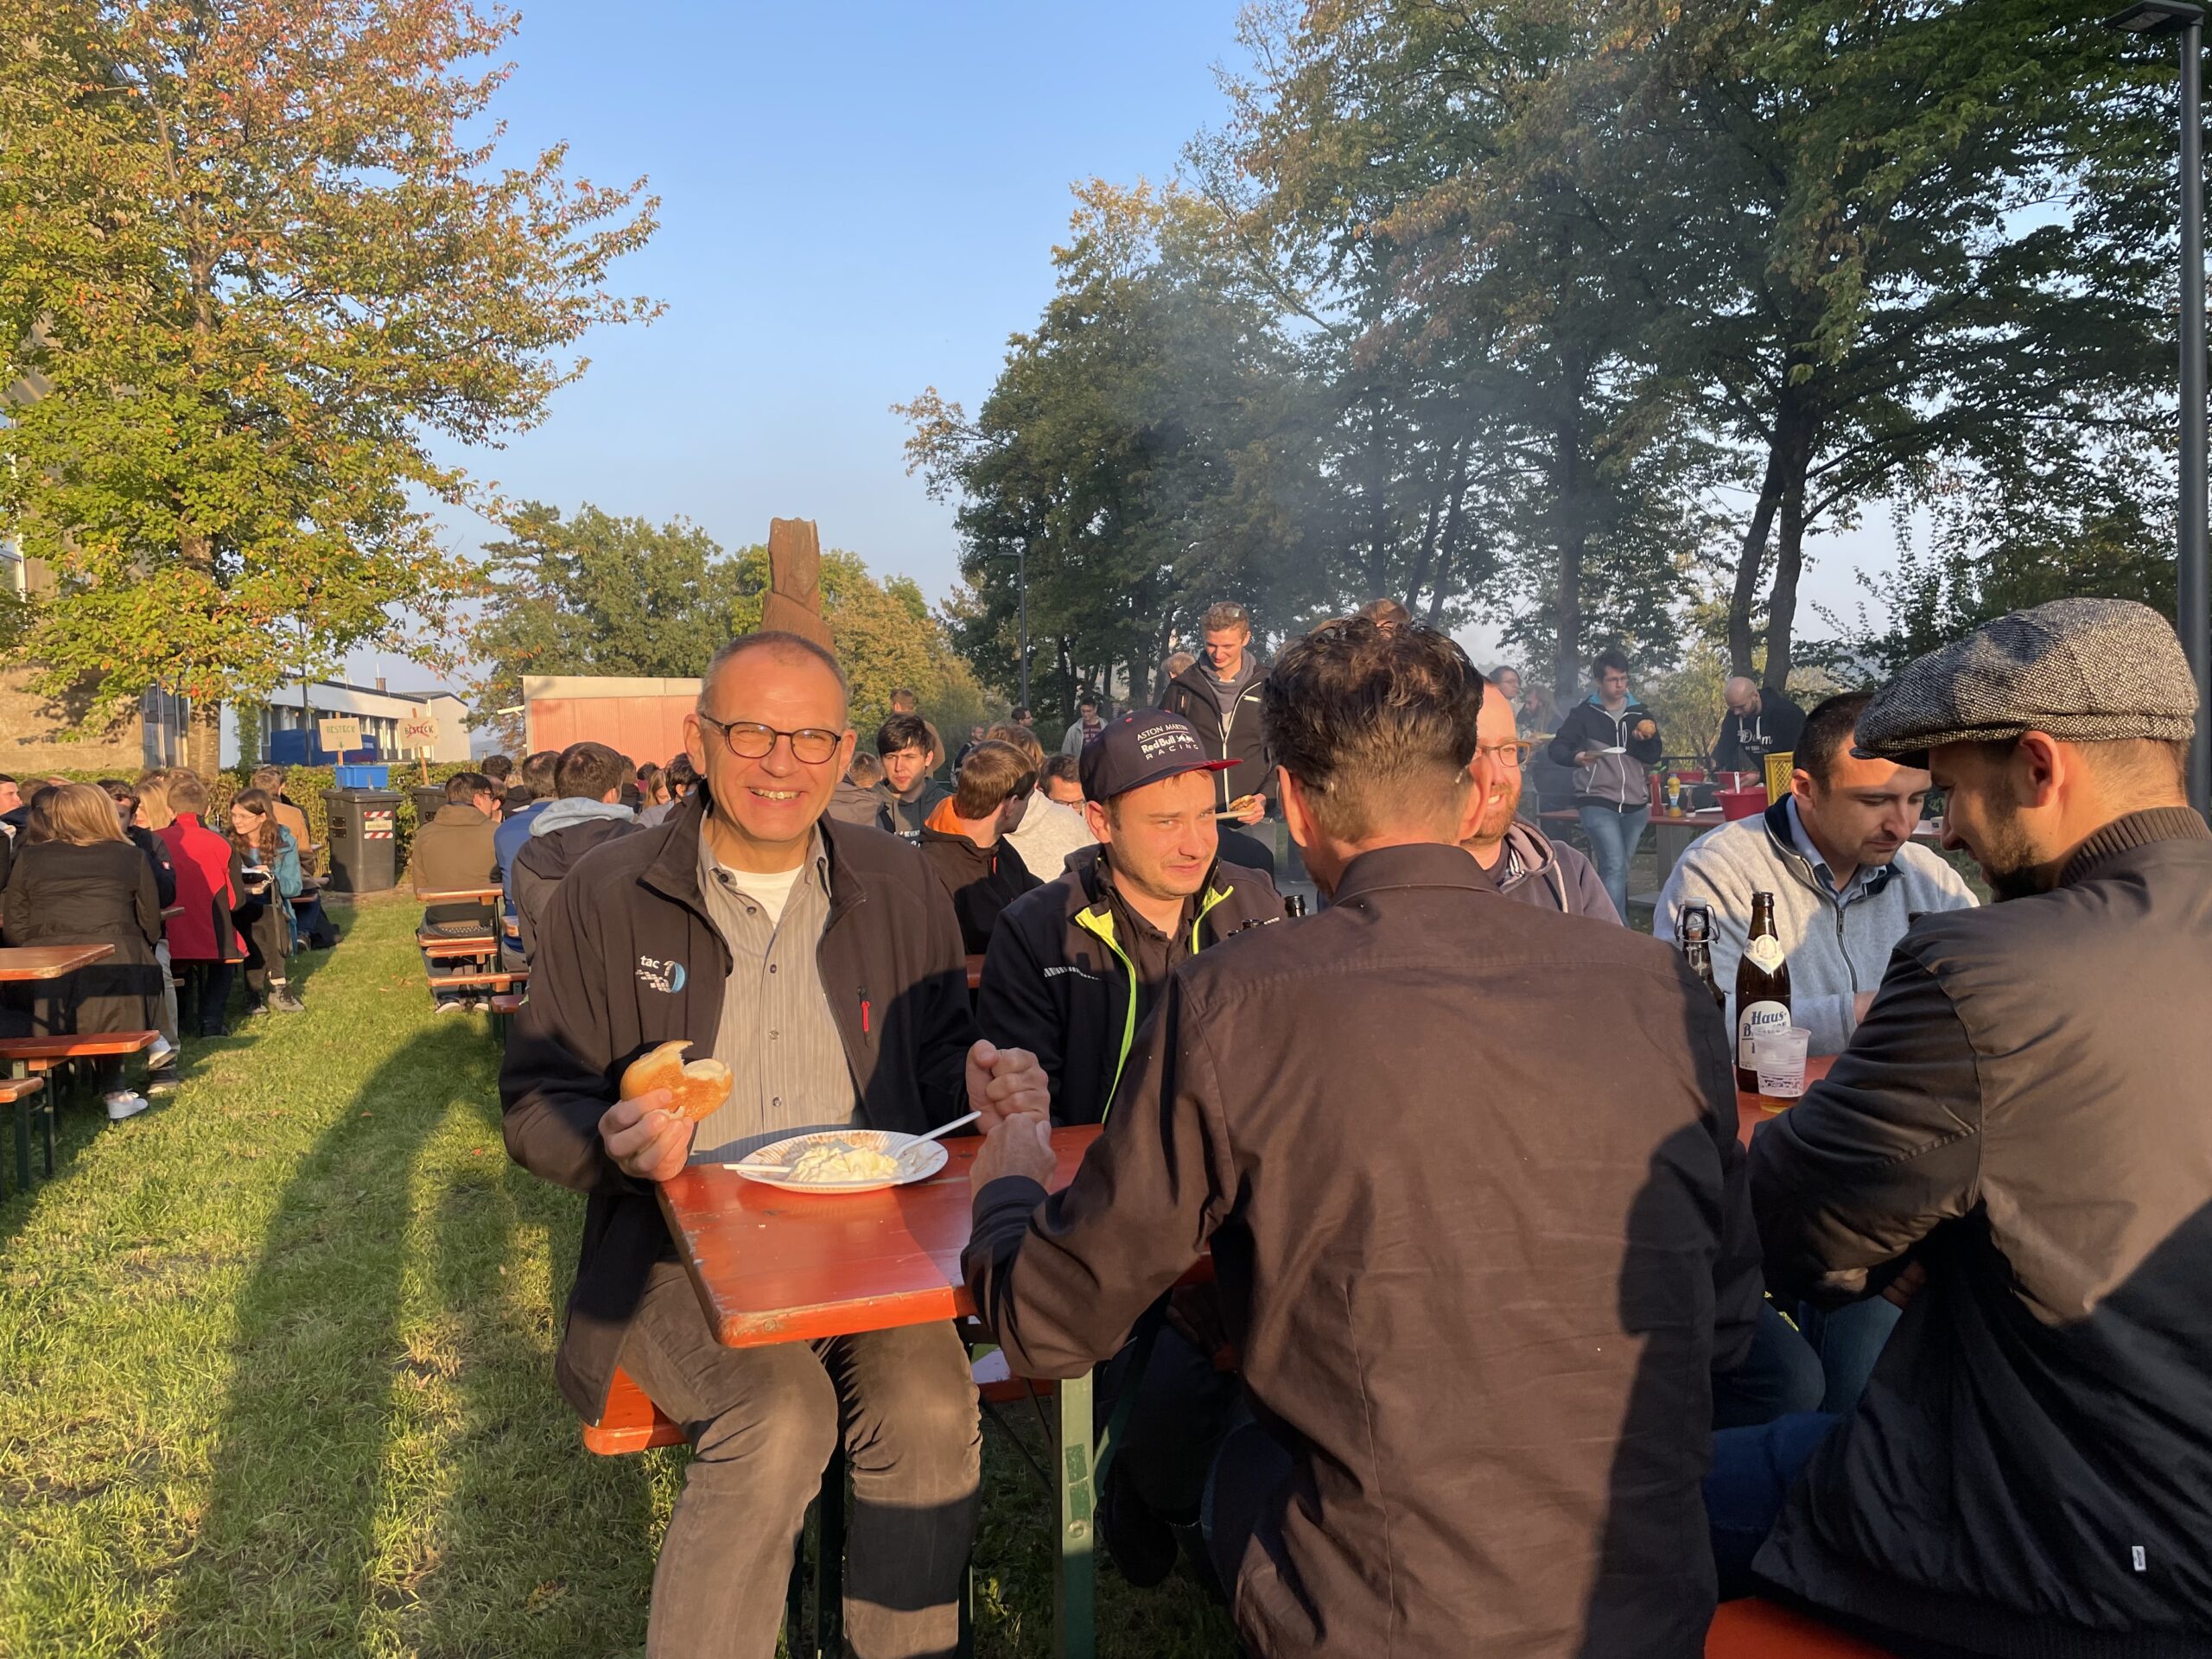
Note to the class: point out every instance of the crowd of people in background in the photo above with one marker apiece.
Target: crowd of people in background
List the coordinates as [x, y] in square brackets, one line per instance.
[185, 906]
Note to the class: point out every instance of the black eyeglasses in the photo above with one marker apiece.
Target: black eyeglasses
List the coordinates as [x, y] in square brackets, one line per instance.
[750, 741]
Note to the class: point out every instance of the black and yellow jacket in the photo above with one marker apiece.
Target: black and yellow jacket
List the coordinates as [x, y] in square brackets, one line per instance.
[1058, 982]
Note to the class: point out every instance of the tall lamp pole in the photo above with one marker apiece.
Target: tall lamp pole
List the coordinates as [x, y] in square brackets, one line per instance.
[1022, 582]
[2193, 577]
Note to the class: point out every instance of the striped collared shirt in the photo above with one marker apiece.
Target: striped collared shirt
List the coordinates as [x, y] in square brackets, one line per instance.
[776, 1035]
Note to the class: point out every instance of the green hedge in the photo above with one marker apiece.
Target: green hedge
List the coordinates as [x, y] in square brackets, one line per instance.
[307, 786]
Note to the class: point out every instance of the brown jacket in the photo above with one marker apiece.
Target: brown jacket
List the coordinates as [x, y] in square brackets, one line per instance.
[452, 853]
[1478, 1282]
[2024, 1113]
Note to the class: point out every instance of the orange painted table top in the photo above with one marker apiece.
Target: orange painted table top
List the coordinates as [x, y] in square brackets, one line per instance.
[1751, 1110]
[773, 1265]
[49, 961]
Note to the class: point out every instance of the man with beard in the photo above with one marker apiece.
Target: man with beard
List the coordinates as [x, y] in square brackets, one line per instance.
[2015, 1146]
[1522, 860]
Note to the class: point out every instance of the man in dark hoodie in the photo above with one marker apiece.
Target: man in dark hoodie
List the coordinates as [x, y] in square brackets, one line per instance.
[1525, 863]
[906, 746]
[586, 812]
[964, 840]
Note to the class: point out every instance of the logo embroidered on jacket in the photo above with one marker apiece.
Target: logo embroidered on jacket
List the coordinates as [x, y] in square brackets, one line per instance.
[659, 976]
[1077, 972]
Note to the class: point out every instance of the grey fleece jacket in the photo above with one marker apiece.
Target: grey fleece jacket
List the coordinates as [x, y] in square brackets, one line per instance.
[1537, 870]
[1834, 952]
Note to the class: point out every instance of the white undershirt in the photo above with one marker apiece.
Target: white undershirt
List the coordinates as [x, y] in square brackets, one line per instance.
[771, 891]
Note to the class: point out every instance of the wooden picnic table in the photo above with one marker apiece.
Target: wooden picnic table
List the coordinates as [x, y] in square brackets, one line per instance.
[49, 961]
[772, 1266]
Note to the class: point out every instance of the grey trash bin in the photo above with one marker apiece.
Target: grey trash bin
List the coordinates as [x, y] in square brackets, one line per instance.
[363, 839]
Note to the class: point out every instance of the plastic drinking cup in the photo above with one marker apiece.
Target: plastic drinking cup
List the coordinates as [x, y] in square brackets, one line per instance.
[1779, 1057]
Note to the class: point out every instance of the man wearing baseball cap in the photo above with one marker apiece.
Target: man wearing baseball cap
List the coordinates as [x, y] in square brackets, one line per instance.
[2016, 1146]
[1076, 965]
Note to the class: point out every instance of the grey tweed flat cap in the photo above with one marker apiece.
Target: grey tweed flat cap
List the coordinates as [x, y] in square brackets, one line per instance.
[2087, 671]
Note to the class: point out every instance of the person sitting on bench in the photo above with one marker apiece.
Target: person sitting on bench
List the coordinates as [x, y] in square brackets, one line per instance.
[204, 943]
[454, 854]
[586, 812]
[269, 864]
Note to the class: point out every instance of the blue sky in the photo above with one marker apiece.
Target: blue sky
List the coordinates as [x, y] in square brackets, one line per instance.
[857, 202]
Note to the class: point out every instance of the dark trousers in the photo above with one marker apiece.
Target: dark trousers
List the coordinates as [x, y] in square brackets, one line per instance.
[1175, 1425]
[1248, 1477]
[1753, 1471]
[268, 941]
[763, 1422]
[209, 986]
[1780, 1375]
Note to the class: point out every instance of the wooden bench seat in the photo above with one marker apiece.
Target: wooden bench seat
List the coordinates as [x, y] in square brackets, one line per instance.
[631, 1422]
[15, 1089]
[473, 948]
[488, 979]
[1752, 1628]
[44, 1054]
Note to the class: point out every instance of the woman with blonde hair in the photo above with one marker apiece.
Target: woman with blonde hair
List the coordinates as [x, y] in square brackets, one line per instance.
[78, 880]
[269, 867]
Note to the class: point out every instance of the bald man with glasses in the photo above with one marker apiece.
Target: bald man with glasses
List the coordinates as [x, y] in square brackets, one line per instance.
[822, 964]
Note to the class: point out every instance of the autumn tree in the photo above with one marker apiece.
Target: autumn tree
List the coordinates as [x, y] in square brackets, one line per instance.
[1143, 444]
[261, 268]
[595, 593]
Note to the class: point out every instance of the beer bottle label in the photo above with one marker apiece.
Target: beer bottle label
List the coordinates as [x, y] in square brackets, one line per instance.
[1764, 953]
[1760, 1017]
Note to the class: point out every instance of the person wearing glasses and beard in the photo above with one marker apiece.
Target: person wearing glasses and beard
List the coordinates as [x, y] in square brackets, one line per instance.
[822, 964]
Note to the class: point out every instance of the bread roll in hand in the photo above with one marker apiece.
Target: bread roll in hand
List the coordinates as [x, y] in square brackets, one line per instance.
[696, 1090]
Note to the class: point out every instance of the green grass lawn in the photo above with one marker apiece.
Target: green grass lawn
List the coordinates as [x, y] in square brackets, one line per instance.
[277, 1358]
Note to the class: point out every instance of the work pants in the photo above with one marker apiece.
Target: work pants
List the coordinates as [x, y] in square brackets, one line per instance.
[763, 1422]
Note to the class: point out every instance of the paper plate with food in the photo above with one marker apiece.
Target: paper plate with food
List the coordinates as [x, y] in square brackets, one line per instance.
[842, 1160]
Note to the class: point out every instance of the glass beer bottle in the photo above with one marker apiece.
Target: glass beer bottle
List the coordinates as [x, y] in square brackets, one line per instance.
[1761, 990]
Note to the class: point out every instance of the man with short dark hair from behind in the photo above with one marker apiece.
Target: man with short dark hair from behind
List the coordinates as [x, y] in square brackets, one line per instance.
[1418, 1173]
[903, 744]
[512, 835]
[587, 812]
[1049, 830]
[719, 929]
[454, 853]
[2016, 1147]
[964, 840]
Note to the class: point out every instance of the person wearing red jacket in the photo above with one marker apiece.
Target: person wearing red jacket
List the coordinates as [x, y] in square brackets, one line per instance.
[202, 939]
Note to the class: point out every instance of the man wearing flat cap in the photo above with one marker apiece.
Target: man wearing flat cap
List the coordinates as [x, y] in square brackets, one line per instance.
[2017, 1146]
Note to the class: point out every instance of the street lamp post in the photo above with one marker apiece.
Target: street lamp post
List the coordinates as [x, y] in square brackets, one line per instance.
[2193, 579]
[1021, 584]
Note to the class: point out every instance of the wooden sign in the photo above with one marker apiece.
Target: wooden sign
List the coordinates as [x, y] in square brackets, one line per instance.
[338, 735]
[419, 730]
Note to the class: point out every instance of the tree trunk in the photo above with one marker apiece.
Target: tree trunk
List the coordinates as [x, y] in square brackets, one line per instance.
[1751, 564]
[1790, 553]
[1573, 537]
[203, 745]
